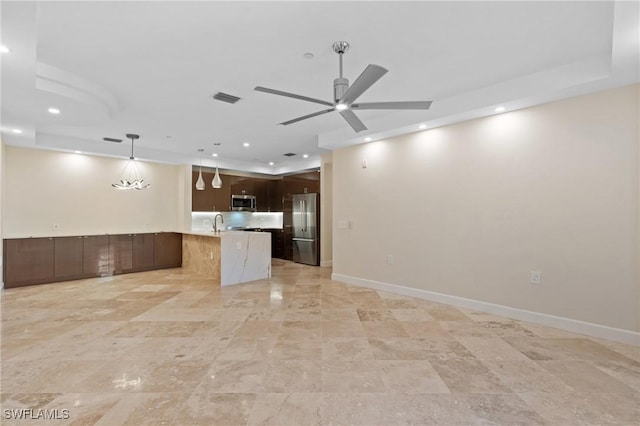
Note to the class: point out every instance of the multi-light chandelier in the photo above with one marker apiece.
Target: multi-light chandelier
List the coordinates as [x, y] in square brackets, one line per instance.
[131, 178]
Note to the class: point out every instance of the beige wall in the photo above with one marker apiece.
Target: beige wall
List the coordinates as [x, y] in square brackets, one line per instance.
[326, 209]
[470, 209]
[74, 192]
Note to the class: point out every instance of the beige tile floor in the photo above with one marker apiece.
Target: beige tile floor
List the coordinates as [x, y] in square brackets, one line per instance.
[299, 349]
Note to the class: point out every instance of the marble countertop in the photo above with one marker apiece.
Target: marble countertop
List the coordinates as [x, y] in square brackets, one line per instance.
[219, 234]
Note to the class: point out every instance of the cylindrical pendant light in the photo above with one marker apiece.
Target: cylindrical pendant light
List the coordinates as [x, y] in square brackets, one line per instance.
[200, 182]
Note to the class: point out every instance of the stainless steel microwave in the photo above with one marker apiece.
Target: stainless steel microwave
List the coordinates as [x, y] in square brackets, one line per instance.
[245, 203]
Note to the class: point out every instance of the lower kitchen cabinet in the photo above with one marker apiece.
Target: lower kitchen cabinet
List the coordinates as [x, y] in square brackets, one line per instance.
[68, 255]
[142, 256]
[277, 243]
[96, 261]
[121, 253]
[167, 250]
[28, 261]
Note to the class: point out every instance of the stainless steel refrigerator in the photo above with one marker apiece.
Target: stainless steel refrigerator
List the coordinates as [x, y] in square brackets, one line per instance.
[306, 236]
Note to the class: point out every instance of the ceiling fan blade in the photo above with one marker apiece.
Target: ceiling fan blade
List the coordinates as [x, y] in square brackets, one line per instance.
[292, 95]
[112, 140]
[370, 75]
[393, 105]
[353, 120]
[304, 117]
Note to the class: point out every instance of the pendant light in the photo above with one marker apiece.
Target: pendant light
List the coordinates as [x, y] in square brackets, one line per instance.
[216, 182]
[131, 178]
[200, 182]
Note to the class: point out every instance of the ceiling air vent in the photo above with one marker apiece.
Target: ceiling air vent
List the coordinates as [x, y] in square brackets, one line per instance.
[289, 154]
[112, 140]
[230, 99]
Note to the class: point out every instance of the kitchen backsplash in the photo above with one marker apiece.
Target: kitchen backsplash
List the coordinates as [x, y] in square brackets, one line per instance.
[203, 221]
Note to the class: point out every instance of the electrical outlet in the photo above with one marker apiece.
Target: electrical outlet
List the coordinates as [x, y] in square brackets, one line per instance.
[211, 255]
[389, 259]
[238, 245]
[535, 277]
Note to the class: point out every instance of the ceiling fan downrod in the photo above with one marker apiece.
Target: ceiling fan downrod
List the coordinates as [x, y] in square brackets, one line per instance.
[340, 84]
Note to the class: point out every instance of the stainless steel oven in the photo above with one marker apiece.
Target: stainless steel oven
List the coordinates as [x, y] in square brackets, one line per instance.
[246, 203]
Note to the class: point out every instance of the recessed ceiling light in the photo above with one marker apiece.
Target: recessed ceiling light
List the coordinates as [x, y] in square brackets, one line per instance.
[18, 131]
[271, 163]
[341, 107]
[246, 144]
[4, 49]
[499, 109]
[367, 139]
[214, 155]
[422, 126]
[54, 110]
[78, 152]
[305, 156]
[308, 55]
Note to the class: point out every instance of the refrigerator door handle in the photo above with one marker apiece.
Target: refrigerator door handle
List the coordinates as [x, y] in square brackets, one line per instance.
[304, 215]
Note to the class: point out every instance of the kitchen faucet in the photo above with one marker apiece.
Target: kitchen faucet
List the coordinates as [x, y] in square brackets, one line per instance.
[215, 220]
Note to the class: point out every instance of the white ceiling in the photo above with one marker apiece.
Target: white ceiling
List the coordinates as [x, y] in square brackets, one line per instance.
[151, 68]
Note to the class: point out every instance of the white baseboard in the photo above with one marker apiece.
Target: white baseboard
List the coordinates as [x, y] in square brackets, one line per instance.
[326, 263]
[568, 324]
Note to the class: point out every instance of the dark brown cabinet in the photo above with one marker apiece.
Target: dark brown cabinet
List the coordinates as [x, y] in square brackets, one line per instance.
[222, 196]
[28, 261]
[277, 243]
[242, 185]
[121, 253]
[261, 191]
[202, 201]
[301, 183]
[167, 251]
[143, 248]
[211, 199]
[96, 261]
[68, 254]
[275, 195]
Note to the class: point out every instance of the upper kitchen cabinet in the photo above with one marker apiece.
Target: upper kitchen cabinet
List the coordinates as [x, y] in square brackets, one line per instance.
[261, 191]
[221, 196]
[301, 183]
[242, 185]
[275, 195]
[211, 199]
[202, 201]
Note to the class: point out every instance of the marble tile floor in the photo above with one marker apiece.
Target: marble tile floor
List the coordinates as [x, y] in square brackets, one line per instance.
[163, 347]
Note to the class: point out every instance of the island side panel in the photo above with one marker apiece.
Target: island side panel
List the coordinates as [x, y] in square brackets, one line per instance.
[201, 256]
[246, 256]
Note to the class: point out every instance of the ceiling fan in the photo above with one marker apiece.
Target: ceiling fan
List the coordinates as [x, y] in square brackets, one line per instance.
[345, 95]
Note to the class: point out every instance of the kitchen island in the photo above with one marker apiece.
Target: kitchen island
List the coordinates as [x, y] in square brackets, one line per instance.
[228, 257]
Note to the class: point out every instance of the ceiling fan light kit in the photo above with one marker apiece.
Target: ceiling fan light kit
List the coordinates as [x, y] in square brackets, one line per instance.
[131, 178]
[345, 95]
